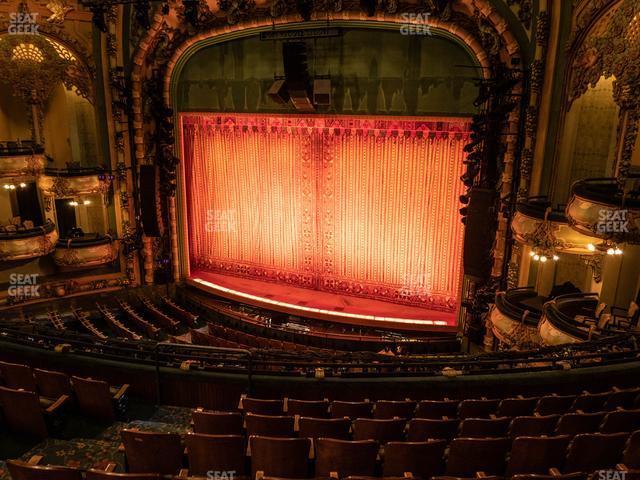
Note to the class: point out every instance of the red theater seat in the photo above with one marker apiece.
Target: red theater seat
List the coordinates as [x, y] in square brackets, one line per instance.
[385, 409]
[423, 429]
[345, 458]
[308, 408]
[97, 399]
[337, 428]
[420, 459]
[150, 452]
[533, 426]
[217, 423]
[52, 384]
[215, 453]
[575, 423]
[352, 410]
[595, 451]
[537, 454]
[470, 455]
[18, 377]
[484, 427]
[436, 409]
[280, 457]
[269, 425]
[382, 431]
[27, 414]
[262, 407]
[554, 404]
[477, 408]
[517, 407]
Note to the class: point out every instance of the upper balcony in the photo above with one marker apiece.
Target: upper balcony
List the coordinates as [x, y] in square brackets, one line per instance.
[21, 160]
[85, 252]
[537, 224]
[598, 209]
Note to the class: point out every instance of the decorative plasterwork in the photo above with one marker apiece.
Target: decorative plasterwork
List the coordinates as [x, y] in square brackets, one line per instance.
[545, 235]
[65, 187]
[59, 10]
[28, 247]
[551, 336]
[80, 256]
[21, 166]
[513, 332]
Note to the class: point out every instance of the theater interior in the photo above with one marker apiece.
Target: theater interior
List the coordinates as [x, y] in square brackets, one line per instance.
[319, 239]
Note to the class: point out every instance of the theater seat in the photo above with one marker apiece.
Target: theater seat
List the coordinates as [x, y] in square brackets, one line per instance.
[382, 431]
[554, 404]
[109, 474]
[52, 384]
[98, 400]
[621, 421]
[423, 429]
[537, 454]
[269, 425]
[308, 408]
[386, 409]
[576, 423]
[631, 455]
[484, 427]
[594, 451]
[31, 470]
[436, 409]
[470, 455]
[25, 415]
[420, 459]
[262, 407]
[590, 402]
[533, 426]
[566, 476]
[215, 453]
[18, 377]
[345, 458]
[517, 407]
[151, 452]
[280, 457]
[352, 410]
[337, 428]
[622, 398]
[217, 423]
[477, 408]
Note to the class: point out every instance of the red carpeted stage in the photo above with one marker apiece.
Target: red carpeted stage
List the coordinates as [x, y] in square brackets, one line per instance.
[353, 219]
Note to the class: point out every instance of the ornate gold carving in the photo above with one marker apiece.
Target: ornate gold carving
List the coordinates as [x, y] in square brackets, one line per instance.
[59, 10]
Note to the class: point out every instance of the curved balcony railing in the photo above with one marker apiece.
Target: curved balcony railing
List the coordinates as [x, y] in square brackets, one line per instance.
[527, 225]
[570, 319]
[515, 315]
[596, 208]
[85, 252]
[28, 244]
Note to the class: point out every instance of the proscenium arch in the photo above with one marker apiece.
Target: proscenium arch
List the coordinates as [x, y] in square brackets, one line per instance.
[509, 48]
[172, 77]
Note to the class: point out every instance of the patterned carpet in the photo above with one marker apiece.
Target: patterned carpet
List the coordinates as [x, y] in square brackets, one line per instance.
[85, 445]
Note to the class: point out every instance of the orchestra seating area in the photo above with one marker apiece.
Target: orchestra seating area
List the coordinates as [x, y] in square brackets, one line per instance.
[577, 435]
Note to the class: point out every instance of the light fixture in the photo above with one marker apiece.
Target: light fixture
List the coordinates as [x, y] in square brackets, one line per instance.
[556, 258]
[73, 203]
[87, 202]
[536, 257]
[543, 259]
[610, 251]
[617, 251]
[532, 253]
[591, 247]
[23, 185]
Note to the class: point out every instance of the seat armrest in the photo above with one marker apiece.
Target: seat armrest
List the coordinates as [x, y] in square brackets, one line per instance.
[481, 475]
[554, 472]
[622, 467]
[53, 408]
[35, 460]
[110, 468]
[123, 389]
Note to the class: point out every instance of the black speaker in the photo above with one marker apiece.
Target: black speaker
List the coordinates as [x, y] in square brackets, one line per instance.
[149, 177]
[279, 92]
[480, 231]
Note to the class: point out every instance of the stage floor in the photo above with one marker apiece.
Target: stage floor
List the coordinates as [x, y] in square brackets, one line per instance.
[323, 305]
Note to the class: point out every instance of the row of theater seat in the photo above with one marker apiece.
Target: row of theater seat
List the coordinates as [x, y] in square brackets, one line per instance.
[436, 409]
[299, 458]
[33, 401]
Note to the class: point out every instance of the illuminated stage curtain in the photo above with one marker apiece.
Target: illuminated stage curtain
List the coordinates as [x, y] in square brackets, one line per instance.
[363, 206]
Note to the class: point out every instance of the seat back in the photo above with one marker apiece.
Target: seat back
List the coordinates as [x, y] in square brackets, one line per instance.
[622, 398]
[269, 425]
[484, 427]
[20, 470]
[94, 398]
[554, 404]
[470, 455]
[22, 413]
[436, 409]
[422, 459]
[477, 408]
[217, 423]
[517, 407]
[382, 431]
[102, 475]
[262, 407]
[215, 453]
[18, 377]
[621, 421]
[537, 454]
[423, 429]
[565, 476]
[52, 384]
[533, 426]
[308, 408]
[631, 456]
[345, 457]
[151, 452]
[337, 428]
[589, 452]
[352, 410]
[590, 402]
[385, 409]
[575, 423]
[280, 457]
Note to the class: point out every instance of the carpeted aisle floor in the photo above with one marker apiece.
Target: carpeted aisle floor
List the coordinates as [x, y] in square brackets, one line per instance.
[85, 444]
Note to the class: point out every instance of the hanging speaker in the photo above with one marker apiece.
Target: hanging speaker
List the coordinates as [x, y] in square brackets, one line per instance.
[148, 196]
[479, 233]
[279, 92]
[322, 92]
